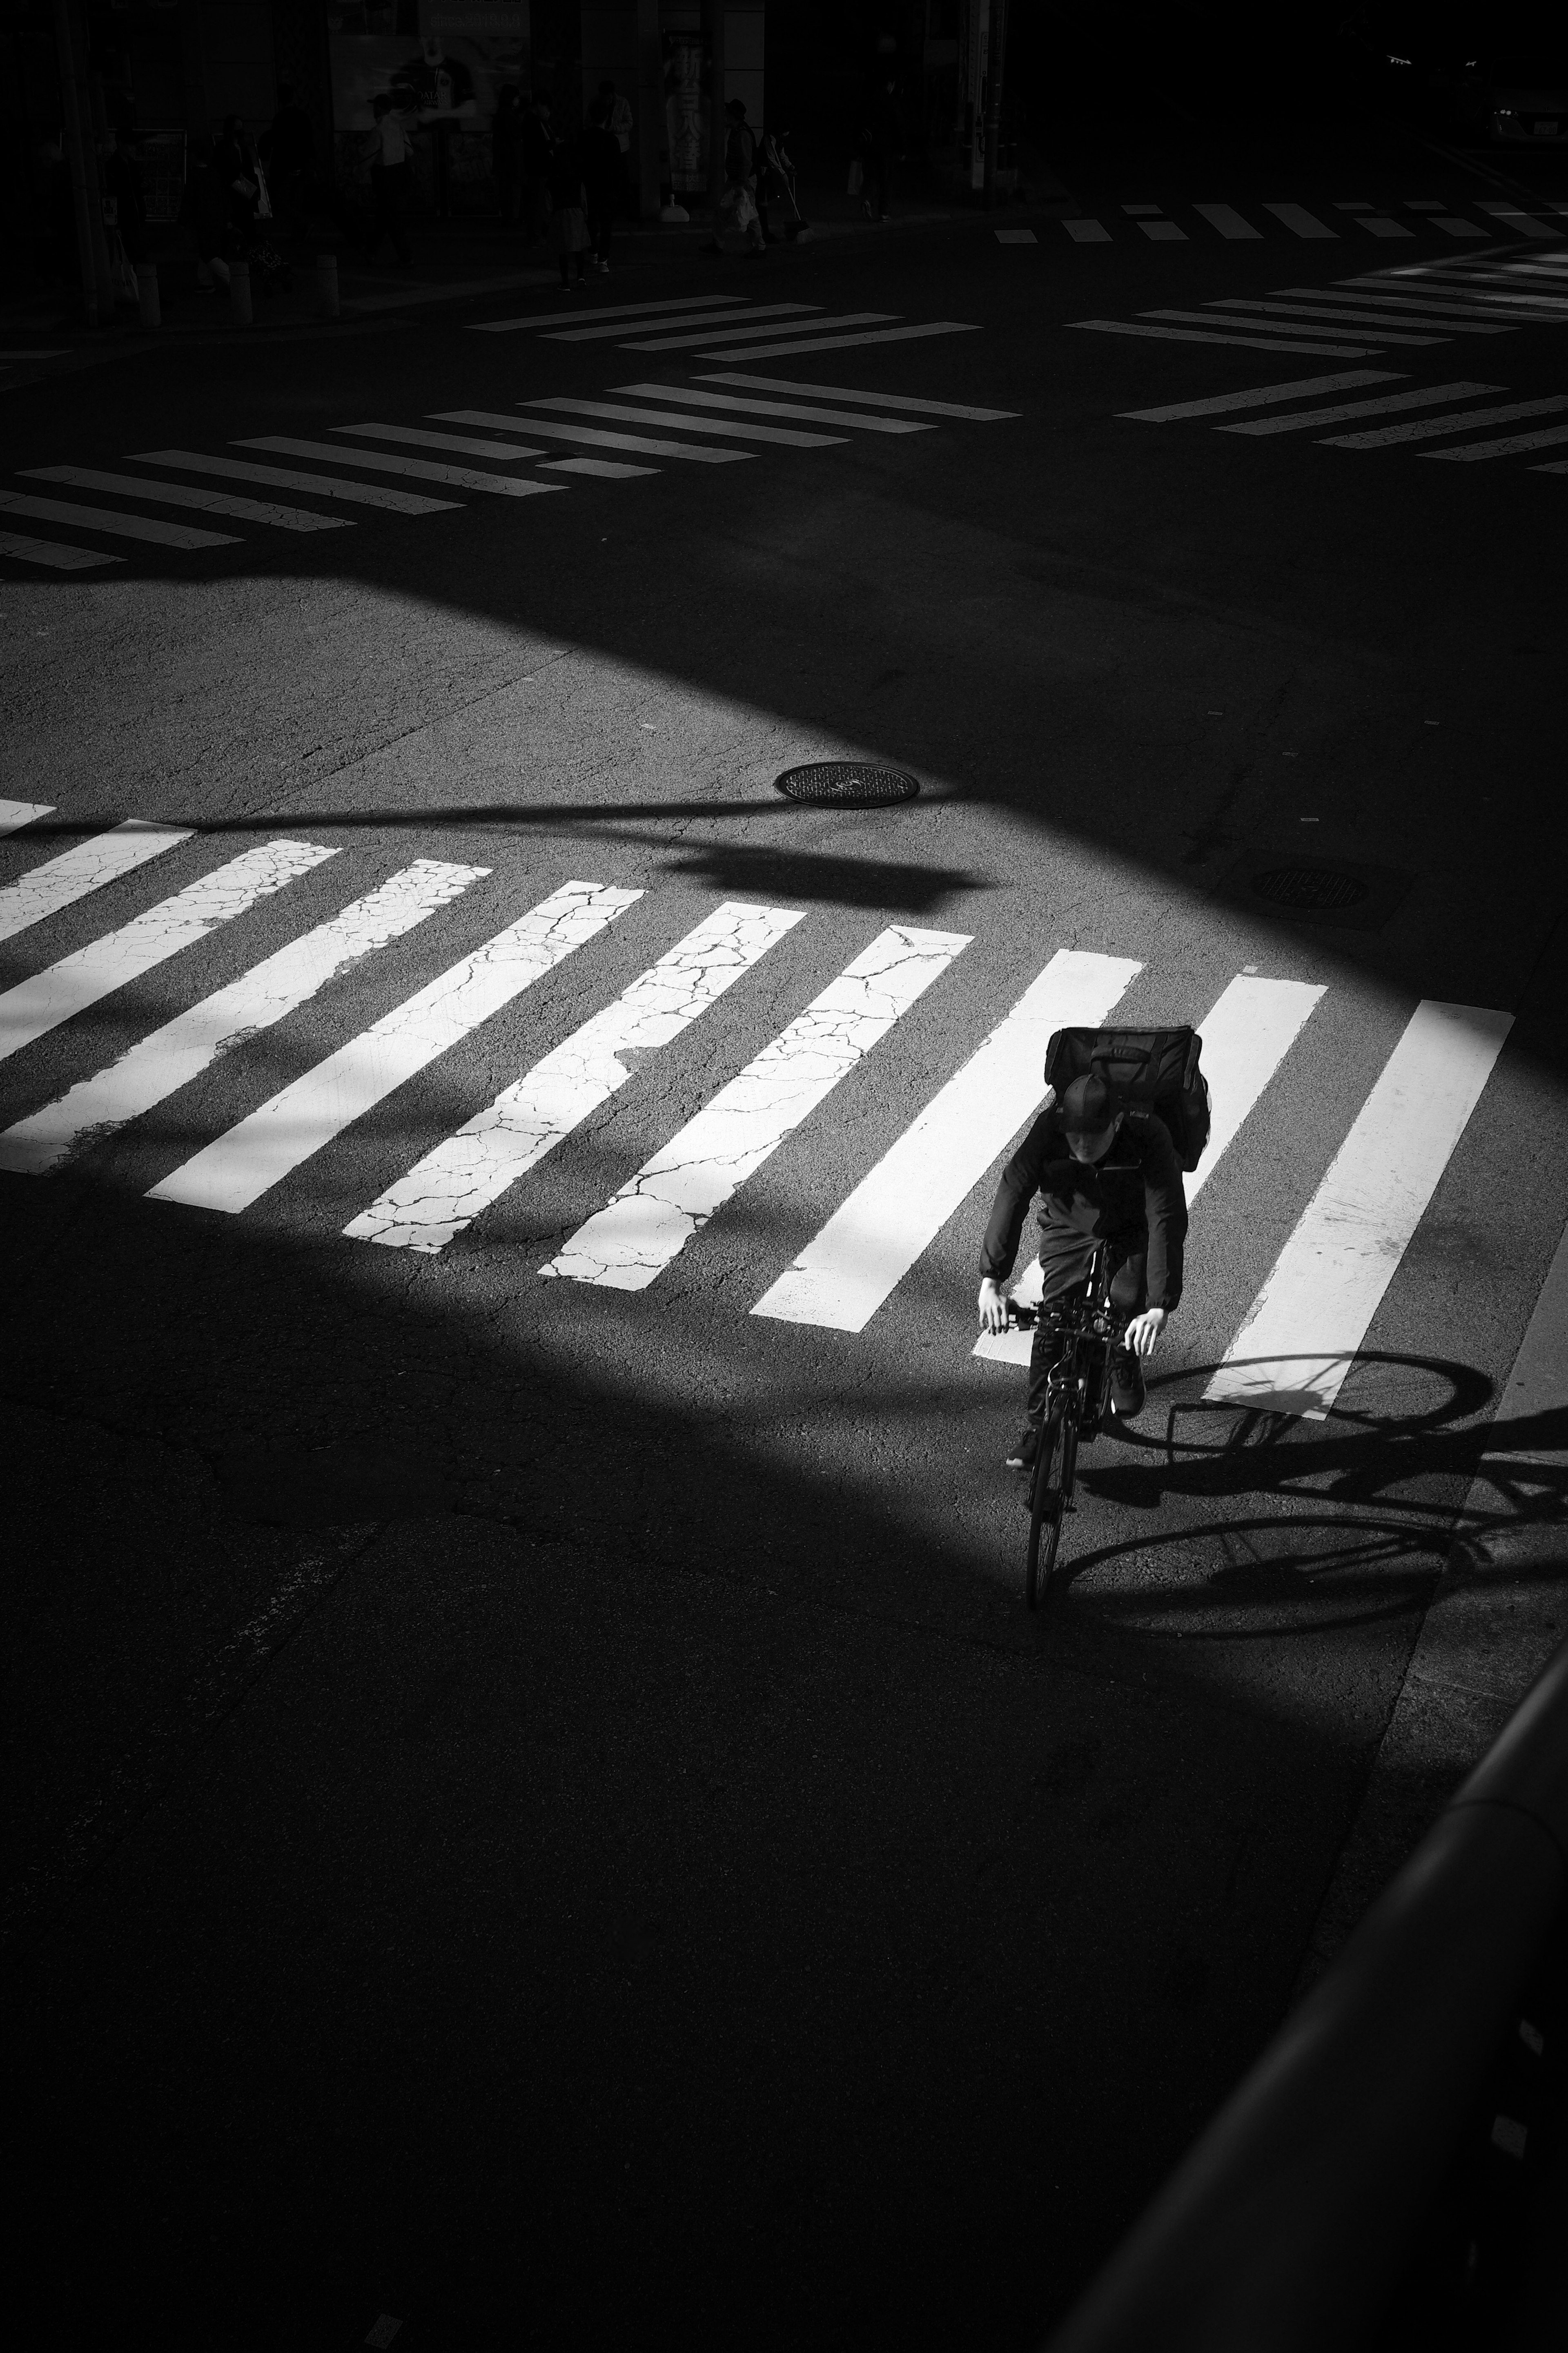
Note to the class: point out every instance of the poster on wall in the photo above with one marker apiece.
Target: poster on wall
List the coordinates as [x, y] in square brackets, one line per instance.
[685, 110]
[446, 65]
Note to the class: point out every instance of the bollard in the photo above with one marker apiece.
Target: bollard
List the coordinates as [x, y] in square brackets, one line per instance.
[147, 293]
[240, 292]
[327, 284]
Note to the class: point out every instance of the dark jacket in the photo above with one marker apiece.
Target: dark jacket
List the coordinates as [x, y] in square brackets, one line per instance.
[1132, 1198]
[603, 168]
[566, 177]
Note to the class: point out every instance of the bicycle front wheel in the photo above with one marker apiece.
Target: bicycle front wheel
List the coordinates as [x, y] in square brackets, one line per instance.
[1047, 1501]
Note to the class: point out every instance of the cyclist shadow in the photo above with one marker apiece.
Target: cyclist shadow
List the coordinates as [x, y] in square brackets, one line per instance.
[1356, 1507]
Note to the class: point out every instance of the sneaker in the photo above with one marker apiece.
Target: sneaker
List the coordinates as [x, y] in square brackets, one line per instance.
[1127, 1392]
[1021, 1453]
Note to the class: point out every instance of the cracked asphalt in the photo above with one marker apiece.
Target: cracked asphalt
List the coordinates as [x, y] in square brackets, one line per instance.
[536, 1807]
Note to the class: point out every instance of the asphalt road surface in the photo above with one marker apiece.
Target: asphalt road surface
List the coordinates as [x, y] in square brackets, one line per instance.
[538, 1810]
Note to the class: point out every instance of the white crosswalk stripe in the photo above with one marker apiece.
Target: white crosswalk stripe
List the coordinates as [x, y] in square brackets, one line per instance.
[868, 1245]
[1260, 395]
[14, 815]
[288, 478]
[1382, 315]
[616, 412]
[169, 1057]
[1291, 1352]
[736, 330]
[458, 478]
[117, 526]
[1277, 325]
[700, 328]
[1300, 221]
[1302, 1333]
[186, 494]
[1214, 336]
[237, 1168]
[1310, 419]
[462, 445]
[548, 319]
[865, 399]
[840, 342]
[41, 1003]
[650, 1221]
[1431, 428]
[443, 1194]
[61, 880]
[805, 414]
[599, 438]
[55, 553]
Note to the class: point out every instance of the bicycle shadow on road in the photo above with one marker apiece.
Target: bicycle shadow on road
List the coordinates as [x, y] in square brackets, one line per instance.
[1362, 1504]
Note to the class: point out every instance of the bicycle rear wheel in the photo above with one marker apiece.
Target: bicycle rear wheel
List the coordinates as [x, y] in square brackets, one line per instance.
[1047, 1500]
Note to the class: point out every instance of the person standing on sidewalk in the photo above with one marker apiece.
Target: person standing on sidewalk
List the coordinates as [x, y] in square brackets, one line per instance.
[621, 122]
[568, 211]
[604, 179]
[390, 155]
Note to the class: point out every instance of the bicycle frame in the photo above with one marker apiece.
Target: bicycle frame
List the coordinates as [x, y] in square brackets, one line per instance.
[1075, 1405]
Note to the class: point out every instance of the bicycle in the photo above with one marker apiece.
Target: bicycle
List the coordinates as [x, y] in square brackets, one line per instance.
[1076, 1395]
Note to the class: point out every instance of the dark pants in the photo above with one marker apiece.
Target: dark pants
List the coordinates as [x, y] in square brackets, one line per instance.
[1128, 1297]
[600, 222]
[389, 194]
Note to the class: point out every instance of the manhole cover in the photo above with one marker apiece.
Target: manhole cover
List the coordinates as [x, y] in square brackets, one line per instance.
[846, 784]
[1315, 887]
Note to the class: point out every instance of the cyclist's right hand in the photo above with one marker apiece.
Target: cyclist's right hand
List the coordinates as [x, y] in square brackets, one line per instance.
[993, 1306]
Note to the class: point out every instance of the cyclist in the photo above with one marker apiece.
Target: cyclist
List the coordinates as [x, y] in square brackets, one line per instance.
[1103, 1175]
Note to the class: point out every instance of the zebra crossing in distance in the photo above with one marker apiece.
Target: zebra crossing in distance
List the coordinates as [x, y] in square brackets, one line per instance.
[1455, 410]
[1232, 224]
[1414, 306]
[718, 417]
[1291, 1352]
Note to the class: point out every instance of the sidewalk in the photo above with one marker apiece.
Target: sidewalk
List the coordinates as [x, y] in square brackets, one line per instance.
[455, 260]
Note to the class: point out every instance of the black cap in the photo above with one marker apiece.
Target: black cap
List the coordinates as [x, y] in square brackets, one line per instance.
[1087, 1106]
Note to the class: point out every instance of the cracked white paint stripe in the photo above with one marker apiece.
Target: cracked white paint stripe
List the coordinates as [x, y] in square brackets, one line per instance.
[870, 1244]
[446, 1191]
[1302, 1333]
[69, 988]
[14, 815]
[70, 876]
[248, 1159]
[1251, 1029]
[650, 1220]
[183, 1049]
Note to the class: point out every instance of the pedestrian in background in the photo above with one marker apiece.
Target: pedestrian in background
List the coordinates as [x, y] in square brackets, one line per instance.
[390, 155]
[506, 155]
[206, 209]
[604, 179]
[879, 142]
[538, 145]
[621, 121]
[288, 148]
[568, 211]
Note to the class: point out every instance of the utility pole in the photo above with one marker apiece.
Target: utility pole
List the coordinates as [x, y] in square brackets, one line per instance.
[714, 41]
[81, 158]
[997, 58]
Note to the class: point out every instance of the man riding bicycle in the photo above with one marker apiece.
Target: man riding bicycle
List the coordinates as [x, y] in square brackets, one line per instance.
[1103, 1175]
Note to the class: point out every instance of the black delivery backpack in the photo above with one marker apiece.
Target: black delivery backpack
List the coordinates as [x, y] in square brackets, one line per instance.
[1147, 1070]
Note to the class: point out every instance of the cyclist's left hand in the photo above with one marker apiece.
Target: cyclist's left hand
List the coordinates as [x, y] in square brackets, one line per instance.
[1143, 1332]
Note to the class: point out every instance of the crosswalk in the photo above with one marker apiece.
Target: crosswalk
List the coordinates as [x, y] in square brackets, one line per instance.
[1462, 412]
[725, 327]
[381, 466]
[1402, 308]
[1467, 223]
[1289, 1353]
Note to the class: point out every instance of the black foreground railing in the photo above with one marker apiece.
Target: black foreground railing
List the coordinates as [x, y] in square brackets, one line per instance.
[1289, 2224]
